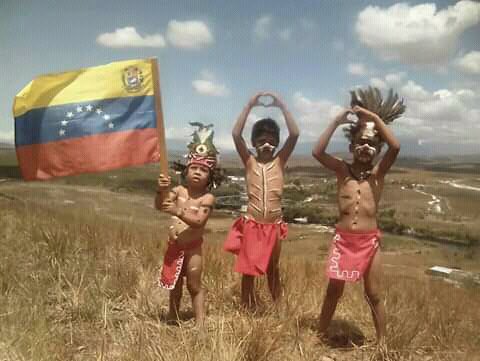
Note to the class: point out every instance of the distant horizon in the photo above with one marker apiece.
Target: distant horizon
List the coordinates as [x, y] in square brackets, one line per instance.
[304, 150]
[214, 56]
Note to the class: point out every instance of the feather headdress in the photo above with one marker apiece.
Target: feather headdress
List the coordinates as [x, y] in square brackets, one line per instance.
[202, 151]
[371, 99]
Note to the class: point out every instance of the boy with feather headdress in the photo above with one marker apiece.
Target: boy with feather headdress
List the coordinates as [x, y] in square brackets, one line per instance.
[355, 252]
[190, 206]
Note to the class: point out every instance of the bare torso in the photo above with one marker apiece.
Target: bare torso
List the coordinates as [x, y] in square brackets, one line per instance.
[265, 188]
[358, 201]
[179, 231]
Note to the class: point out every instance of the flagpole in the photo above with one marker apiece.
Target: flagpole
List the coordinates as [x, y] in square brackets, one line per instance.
[159, 113]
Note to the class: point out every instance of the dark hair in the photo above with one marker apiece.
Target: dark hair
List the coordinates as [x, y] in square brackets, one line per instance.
[266, 125]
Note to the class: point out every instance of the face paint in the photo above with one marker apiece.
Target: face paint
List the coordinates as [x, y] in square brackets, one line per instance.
[265, 146]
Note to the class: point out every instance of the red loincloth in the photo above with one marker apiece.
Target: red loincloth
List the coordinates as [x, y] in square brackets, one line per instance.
[253, 243]
[173, 263]
[351, 254]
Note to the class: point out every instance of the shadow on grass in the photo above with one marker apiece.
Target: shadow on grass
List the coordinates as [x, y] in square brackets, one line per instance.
[183, 316]
[340, 333]
[10, 171]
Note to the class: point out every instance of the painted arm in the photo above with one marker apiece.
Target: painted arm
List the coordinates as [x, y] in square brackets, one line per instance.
[194, 218]
[387, 135]
[237, 131]
[293, 131]
[319, 150]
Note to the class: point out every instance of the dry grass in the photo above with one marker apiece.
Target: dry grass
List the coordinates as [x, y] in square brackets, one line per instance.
[74, 286]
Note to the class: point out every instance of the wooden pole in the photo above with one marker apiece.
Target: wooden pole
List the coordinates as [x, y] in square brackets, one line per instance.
[159, 114]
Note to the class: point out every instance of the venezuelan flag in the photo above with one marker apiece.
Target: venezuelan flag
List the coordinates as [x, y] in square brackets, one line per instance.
[88, 120]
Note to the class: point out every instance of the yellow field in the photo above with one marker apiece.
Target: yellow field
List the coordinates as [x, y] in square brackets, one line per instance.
[78, 266]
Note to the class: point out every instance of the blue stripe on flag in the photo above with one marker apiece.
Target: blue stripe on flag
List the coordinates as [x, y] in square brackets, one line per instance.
[75, 120]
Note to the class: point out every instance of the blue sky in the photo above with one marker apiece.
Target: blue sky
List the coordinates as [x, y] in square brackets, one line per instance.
[214, 55]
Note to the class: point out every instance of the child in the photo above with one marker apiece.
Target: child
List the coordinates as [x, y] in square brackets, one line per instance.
[355, 249]
[255, 237]
[190, 207]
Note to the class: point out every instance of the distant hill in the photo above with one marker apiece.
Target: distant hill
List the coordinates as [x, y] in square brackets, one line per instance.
[4, 145]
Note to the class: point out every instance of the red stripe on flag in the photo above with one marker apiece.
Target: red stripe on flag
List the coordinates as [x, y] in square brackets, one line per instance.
[90, 154]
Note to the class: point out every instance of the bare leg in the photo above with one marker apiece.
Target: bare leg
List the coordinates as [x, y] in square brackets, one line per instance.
[174, 300]
[334, 292]
[374, 296]
[194, 285]
[248, 291]
[273, 273]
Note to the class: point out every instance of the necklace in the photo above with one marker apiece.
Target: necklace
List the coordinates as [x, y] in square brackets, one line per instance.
[363, 175]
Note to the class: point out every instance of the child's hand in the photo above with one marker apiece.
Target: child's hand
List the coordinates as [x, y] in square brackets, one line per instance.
[364, 114]
[345, 117]
[169, 206]
[254, 101]
[163, 183]
[276, 101]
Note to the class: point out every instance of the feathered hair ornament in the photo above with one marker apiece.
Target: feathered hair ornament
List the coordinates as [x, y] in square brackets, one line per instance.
[371, 99]
[202, 151]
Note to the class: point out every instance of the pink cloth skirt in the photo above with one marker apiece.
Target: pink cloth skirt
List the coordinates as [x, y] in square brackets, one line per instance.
[253, 243]
[173, 263]
[351, 253]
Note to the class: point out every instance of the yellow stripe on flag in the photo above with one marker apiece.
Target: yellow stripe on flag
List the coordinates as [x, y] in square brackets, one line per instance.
[99, 82]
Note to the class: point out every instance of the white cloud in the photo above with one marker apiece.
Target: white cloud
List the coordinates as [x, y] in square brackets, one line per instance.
[182, 133]
[190, 35]
[394, 79]
[128, 37]
[440, 116]
[357, 69]
[416, 34]
[378, 83]
[285, 34]
[314, 115]
[469, 63]
[263, 27]
[414, 91]
[225, 141]
[207, 85]
[466, 93]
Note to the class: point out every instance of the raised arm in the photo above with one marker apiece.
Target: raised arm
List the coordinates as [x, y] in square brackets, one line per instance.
[293, 131]
[237, 131]
[319, 150]
[386, 135]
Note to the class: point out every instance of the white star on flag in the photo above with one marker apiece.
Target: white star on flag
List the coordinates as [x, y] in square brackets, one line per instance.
[99, 111]
[106, 117]
[89, 107]
[64, 122]
[70, 115]
[111, 125]
[61, 132]
[79, 109]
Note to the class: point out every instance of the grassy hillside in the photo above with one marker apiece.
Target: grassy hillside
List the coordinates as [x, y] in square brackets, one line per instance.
[78, 266]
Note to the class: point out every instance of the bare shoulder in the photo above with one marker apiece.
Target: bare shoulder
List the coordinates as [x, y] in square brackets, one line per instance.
[207, 200]
[250, 159]
[343, 169]
[379, 176]
[180, 191]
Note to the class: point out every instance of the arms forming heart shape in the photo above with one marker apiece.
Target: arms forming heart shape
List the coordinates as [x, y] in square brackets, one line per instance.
[264, 101]
[352, 117]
